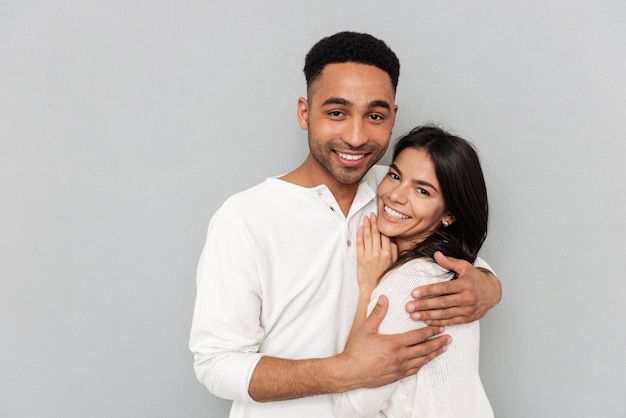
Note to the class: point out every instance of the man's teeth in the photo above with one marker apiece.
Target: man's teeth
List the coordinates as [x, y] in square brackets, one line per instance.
[350, 157]
[394, 214]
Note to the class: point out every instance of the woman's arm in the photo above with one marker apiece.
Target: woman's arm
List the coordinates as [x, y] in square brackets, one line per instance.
[375, 253]
[397, 286]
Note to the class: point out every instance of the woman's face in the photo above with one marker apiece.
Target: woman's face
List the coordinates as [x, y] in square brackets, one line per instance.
[410, 203]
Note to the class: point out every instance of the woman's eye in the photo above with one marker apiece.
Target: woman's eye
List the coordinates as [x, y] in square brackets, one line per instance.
[423, 191]
[393, 176]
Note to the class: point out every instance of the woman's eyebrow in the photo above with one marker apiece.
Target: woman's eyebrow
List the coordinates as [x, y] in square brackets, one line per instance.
[416, 182]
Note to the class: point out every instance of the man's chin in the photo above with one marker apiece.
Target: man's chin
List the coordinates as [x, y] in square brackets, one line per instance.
[350, 176]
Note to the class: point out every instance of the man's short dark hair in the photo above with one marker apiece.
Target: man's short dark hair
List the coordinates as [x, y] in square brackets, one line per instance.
[360, 48]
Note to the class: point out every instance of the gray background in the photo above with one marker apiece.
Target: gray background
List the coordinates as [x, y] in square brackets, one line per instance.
[124, 125]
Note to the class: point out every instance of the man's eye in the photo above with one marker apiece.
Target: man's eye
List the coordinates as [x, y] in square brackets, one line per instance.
[376, 117]
[335, 113]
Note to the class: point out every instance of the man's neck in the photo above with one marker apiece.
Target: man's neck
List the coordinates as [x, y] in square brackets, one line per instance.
[311, 174]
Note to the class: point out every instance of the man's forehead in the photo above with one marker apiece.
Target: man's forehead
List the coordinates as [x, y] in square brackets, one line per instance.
[342, 74]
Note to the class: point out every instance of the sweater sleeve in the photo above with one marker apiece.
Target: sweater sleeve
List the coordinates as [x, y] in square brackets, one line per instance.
[226, 332]
[397, 286]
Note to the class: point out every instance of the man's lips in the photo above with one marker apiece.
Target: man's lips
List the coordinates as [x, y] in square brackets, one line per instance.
[351, 157]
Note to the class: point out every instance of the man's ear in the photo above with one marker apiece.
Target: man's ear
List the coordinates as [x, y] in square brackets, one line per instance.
[303, 113]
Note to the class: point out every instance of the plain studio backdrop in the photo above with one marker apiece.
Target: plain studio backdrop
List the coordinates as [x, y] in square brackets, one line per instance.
[125, 125]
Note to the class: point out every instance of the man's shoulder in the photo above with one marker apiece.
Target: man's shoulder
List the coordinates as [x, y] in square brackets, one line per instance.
[259, 198]
[375, 174]
[261, 190]
[243, 207]
[378, 171]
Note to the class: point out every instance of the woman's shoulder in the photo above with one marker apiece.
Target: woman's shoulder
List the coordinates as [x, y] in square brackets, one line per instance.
[420, 271]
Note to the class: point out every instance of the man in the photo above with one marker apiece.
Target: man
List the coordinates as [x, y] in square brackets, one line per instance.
[277, 287]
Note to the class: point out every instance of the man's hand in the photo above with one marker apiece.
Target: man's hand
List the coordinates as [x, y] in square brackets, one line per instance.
[464, 300]
[372, 359]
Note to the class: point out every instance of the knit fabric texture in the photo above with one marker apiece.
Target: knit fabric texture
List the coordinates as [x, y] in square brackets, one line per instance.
[449, 386]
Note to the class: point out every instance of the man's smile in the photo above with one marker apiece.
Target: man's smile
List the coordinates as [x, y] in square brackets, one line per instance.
[350, 157]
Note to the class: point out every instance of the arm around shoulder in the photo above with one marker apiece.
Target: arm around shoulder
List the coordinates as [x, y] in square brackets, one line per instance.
[464, 300]
[369, 360]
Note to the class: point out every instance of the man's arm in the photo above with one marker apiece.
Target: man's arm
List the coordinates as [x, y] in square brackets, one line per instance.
[369, 360]
[226, 332]
[466, 299]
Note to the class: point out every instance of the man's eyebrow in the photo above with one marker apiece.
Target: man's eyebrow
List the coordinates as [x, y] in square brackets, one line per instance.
[344, 102]
[337, 101]
[379, 103]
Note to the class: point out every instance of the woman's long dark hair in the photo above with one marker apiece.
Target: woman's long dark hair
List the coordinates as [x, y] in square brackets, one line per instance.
[464, 192]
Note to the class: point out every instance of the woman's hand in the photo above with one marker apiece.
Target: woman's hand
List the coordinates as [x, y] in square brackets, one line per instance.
[375, 253]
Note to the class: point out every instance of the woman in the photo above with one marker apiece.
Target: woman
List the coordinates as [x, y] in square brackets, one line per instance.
[433, 199]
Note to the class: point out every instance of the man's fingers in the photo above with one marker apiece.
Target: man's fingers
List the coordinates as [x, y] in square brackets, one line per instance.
[421, 335]
[456, 300]
[441, 314]
[452, 321]
[376, 316]
[443, 288]
[448, 262]
[427, 351]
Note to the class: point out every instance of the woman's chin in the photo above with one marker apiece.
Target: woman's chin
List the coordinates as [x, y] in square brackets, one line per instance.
[386, 229]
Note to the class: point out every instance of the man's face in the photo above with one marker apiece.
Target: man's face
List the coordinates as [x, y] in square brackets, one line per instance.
[349, 115]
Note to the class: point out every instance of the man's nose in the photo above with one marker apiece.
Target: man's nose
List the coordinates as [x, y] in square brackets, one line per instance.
[354, 134]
